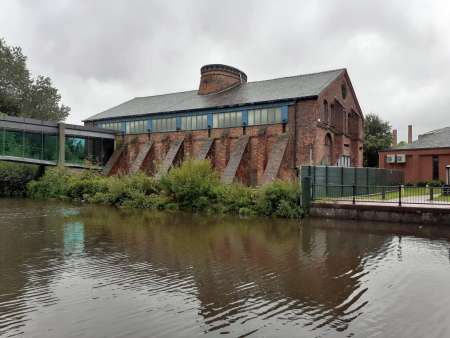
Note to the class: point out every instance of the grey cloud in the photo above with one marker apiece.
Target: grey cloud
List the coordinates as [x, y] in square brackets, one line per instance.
[101, 52]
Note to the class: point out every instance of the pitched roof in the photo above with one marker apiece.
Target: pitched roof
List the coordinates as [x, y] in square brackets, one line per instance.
[294, 87]
[439, 138]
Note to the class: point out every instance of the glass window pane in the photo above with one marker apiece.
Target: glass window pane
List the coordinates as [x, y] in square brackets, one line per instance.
[264, 118]
[76, 150]
[257, 116]
[50, 147]
[278, 115]
[239, 118]
[13, 143]
[251, 117]
[32, 145]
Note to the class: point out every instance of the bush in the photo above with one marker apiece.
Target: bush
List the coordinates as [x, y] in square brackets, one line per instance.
[280, 199]
[54, 184]
[236, 199]
[436, 183]
[86, 185]
[192, 186]
[14, 178]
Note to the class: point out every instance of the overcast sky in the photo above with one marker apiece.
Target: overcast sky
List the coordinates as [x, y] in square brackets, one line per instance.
[100, 53]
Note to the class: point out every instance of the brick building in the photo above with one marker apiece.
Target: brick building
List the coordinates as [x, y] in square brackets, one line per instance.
[252, 132]
[426, 159]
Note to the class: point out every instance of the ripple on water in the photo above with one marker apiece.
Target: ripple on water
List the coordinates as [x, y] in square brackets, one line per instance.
[69, 273]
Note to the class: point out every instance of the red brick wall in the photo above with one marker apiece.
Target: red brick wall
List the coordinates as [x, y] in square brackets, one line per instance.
[351, 136]
[419, 165]
[253, 164]
[306, 143]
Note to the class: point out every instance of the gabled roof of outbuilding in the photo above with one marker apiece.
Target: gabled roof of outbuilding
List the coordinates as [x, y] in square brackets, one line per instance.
[281, 89]
[439, 138]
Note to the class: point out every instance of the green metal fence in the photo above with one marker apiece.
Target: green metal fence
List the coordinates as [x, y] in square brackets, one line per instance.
[339, 181]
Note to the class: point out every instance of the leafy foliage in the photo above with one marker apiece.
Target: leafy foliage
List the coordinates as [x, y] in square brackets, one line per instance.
[193, 186]
[20, 95]
[15, 177]
[377, 136]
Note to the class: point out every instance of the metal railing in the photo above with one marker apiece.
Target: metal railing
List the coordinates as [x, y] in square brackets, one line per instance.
[393, 195]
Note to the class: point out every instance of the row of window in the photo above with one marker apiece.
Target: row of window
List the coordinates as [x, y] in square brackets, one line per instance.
[264, 116]
[110, 125]
[195, 122]
[136, 126]
[227, 120]
[168, 124]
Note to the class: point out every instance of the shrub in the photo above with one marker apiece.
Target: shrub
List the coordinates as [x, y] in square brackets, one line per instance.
[86, 185]
[192, 186]
[54, 184]
[120, 191]
[280, 199]
[236, 199]
[14, 178]
[436, 183]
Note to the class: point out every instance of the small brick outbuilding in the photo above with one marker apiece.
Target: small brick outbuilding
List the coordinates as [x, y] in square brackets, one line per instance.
[426, 159]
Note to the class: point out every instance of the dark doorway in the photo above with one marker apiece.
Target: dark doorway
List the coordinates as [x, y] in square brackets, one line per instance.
[435, 167]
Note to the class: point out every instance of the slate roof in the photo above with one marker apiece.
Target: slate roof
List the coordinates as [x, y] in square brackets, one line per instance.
[286, 88]
[439, 138]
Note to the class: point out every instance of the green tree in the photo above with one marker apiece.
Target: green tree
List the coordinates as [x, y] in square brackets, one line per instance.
[21, 95]
[377, 136]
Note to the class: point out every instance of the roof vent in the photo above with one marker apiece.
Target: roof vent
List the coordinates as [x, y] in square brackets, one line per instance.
[217, 78]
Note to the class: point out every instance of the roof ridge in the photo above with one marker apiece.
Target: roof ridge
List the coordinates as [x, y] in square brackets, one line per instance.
[298, 75]
[258, 81]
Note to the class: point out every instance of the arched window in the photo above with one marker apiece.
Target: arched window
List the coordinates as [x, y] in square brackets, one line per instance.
[328, 151]
[326, 115]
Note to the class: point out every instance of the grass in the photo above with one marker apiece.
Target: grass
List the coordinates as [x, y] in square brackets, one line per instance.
[414, 194]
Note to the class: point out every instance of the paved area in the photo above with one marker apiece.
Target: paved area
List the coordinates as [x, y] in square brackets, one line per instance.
[407, 202]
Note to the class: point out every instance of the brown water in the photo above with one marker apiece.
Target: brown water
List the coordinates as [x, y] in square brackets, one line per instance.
[98, 272]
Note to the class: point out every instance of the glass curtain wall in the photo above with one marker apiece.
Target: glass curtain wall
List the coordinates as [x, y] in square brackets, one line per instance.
[88, 151]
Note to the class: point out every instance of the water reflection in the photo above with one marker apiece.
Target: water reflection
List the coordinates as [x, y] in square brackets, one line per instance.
[101, 272]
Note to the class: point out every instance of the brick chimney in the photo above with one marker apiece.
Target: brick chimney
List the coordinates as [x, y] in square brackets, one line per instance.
[217, 78]
[394, 137]
[410, 135]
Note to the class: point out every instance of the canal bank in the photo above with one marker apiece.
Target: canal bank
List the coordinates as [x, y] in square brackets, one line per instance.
[411, 214]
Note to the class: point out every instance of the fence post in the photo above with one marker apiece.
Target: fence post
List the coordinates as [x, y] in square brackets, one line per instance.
[326, 181]
[367, 180]
[431, 194]
[306, 194]
[399, 195]
[354, 193]
[383, 192]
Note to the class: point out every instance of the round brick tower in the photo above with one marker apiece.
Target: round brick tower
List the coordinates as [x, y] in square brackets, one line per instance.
[218, 78]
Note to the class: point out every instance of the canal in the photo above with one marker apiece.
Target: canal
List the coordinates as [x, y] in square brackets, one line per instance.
[95, 271]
